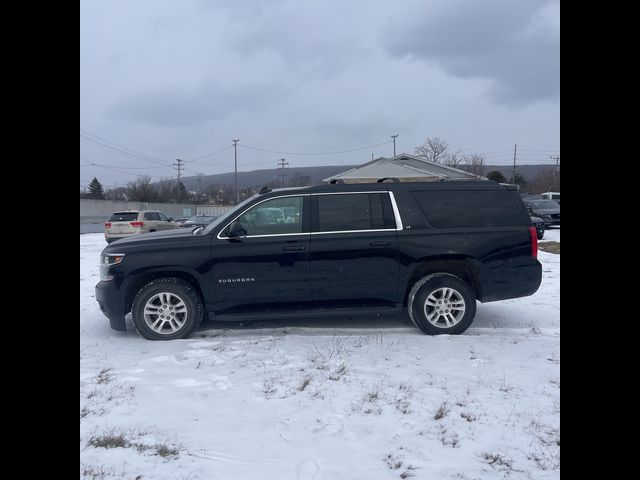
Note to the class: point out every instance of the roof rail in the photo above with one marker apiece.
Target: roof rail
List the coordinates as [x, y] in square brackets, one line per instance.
[393, 179]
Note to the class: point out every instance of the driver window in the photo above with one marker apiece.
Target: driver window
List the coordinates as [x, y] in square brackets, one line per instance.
[273, 217]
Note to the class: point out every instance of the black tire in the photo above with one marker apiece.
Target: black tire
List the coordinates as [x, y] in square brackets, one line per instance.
[540, 235]
[177, 290]
[434, 284]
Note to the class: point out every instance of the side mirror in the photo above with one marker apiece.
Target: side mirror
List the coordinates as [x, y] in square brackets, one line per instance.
[236, 230]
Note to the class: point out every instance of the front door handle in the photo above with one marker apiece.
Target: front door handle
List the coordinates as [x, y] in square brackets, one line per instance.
[380, 244]
[294, 248]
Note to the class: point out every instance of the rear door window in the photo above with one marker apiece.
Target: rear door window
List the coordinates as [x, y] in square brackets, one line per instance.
[348, 212]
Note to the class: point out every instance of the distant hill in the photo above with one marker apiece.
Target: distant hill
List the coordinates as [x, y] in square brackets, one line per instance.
[262, 177]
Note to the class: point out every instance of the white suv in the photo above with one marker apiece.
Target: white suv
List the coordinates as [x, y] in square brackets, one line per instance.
[132, 222]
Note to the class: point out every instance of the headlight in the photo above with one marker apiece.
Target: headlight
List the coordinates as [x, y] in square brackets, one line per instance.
[547, 216]
[107, 260]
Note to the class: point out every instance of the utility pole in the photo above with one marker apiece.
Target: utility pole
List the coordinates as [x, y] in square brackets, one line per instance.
[282, 164]
[394, 143]
[179, 167]
[372, 157]
[235, 161]
[557, 159]
[515, 149]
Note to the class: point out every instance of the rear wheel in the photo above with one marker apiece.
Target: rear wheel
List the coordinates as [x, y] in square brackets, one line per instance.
[441, 303]
[166, 309]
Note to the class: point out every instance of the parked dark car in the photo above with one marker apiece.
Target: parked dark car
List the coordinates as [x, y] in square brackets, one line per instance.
[539, 224]
[548, 210]
[431, 248]
[198, 221]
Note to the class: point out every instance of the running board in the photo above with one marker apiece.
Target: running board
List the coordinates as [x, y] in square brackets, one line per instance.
[306, 313]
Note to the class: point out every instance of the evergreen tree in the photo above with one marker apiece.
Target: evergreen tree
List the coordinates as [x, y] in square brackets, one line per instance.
[497, 176]
[95, 189]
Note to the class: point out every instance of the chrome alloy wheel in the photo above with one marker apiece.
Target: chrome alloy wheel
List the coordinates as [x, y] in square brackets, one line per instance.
[444, 307]
[165, 313]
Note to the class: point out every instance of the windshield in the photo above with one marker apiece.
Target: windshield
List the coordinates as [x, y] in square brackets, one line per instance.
[545, 204]
[228, 215]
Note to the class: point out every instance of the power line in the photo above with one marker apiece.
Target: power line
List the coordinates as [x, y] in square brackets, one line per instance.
[208, 155]
[315, 153]
[114, 147]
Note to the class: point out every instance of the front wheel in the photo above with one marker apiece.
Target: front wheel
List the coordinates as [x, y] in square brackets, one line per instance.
[441, 303]
[166, 309]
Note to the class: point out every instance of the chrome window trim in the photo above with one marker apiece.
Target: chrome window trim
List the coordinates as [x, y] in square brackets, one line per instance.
[394, 206]
[356, 231]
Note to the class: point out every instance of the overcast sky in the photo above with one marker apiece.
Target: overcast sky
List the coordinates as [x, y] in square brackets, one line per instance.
[182, 78]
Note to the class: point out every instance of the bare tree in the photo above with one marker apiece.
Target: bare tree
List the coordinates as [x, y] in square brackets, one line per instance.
[142, 190]
[453, 159]
[474, 164]
[433, 149]
[166, 189]
[116, 193]
[548, 180]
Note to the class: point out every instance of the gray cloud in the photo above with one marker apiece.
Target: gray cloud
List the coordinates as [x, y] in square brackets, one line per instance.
[181, 79]
[513, 45]
[181, 105]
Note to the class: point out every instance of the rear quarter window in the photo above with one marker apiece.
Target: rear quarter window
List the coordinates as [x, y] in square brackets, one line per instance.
[470, 208]
[124, 217]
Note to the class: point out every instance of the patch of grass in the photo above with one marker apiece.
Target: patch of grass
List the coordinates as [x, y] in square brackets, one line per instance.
[441, 411]
[269, 387]
[550, 246]
[304, 384]
[449, 438]
[165, 450]
[468, 416]
[105, 376]
[496, 459]
[340, 371]
[393, 462]
[110, 439]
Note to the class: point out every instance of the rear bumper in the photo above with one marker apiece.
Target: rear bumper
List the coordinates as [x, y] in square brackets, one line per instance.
[511, 281]
[111, 301]
[112, 237]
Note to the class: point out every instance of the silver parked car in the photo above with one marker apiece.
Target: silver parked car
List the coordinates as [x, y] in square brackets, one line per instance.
[133, 222]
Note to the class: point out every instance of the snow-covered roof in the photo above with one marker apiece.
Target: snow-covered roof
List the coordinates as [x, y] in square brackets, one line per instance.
[403, 167]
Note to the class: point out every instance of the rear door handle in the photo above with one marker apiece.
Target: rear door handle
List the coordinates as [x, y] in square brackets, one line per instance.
[294, 248]
[380, 244]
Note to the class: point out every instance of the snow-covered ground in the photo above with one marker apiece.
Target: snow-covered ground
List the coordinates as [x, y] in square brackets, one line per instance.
[332, 399]
[551, 234]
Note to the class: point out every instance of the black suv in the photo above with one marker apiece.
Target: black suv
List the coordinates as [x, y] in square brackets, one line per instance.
[432, 248]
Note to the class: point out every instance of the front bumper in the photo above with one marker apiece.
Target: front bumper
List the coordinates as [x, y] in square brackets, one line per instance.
[112, 303]
[551, 222]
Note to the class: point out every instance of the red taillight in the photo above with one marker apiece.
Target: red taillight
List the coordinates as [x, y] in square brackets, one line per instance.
[136, 224]
[534, 241]
[107, 225]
